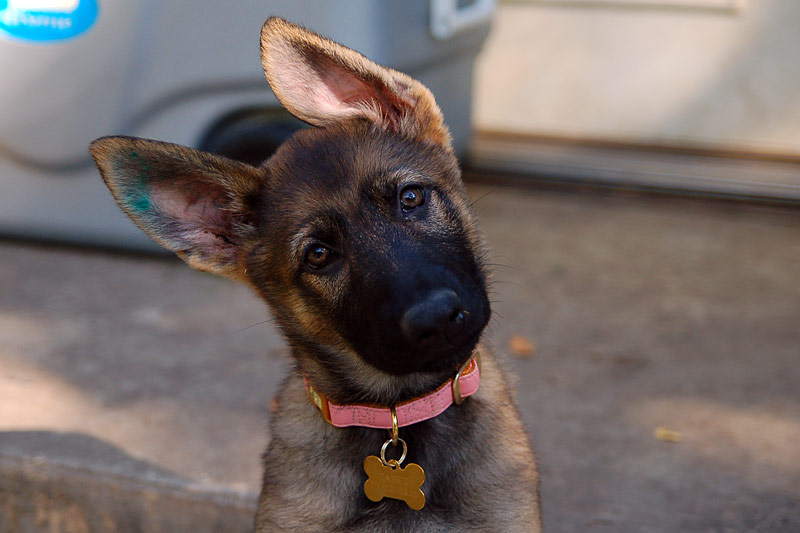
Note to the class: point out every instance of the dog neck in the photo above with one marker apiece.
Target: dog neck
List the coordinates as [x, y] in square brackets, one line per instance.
[455, 390]
[344, 377]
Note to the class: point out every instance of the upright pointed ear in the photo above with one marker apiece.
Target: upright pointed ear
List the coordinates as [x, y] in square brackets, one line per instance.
[198, 205]
[322, 82]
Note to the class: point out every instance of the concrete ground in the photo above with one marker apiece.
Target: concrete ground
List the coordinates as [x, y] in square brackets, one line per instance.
[135, 392]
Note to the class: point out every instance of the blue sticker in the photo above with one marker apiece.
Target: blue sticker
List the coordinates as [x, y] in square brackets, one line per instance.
[46, 20]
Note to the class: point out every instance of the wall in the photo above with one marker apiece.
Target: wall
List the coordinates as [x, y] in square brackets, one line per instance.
[721, 77]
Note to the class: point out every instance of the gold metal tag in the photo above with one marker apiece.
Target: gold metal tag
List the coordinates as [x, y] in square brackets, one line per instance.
[390, 480]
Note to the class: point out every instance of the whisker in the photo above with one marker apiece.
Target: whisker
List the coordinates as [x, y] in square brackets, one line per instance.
[507, 282]
[499, 265]
[484, 195]
[253, 325]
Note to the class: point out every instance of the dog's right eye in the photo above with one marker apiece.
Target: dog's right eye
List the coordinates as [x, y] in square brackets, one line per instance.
[318, 256]
[411, 198]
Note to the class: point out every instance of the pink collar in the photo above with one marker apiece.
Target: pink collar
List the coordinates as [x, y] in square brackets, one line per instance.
[464, 384]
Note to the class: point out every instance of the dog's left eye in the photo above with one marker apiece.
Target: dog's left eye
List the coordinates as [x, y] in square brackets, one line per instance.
[318, 256]
[411, 197]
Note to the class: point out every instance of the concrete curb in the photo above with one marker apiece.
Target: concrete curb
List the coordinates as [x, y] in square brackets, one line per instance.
[41, 495]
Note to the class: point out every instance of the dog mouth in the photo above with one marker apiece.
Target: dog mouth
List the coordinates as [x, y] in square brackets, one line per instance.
[394, 354]
[450, 357]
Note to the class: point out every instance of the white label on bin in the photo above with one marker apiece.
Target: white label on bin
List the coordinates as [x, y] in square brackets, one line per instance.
[46, 21]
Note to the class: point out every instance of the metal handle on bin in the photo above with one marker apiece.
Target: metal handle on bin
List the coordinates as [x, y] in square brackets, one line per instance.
[448, 19]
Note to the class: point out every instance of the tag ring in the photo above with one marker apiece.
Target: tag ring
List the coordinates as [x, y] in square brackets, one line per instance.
[402, 455]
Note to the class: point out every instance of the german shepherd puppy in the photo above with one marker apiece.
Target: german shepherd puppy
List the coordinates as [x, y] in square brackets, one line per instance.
[358, 233]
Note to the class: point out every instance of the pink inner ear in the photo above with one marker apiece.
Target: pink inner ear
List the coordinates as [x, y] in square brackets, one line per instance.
[323, 89]
[327, 104]
[333, 93]
[346, 89]
[193, 203]
[200, 210]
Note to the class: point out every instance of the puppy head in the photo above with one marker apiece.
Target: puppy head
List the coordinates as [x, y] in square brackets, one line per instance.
[358, 232]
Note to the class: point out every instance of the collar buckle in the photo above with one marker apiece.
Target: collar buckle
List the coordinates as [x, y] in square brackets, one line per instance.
[320, 401]
[457, 398]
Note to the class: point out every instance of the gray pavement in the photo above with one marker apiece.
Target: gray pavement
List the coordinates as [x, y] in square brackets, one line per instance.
[135, 391]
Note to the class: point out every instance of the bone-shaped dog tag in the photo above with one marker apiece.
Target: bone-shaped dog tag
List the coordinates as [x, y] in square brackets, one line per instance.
[391, 480]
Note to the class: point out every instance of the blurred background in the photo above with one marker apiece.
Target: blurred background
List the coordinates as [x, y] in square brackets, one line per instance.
[635, 165]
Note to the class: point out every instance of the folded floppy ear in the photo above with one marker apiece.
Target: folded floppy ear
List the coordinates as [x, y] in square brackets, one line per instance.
[198, 205]
[322, 82]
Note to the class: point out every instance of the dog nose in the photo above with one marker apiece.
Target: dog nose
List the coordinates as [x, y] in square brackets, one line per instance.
[434, 320]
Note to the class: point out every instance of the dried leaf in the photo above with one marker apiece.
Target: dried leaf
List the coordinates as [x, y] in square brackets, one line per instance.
[521, 347]
[666, 434]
